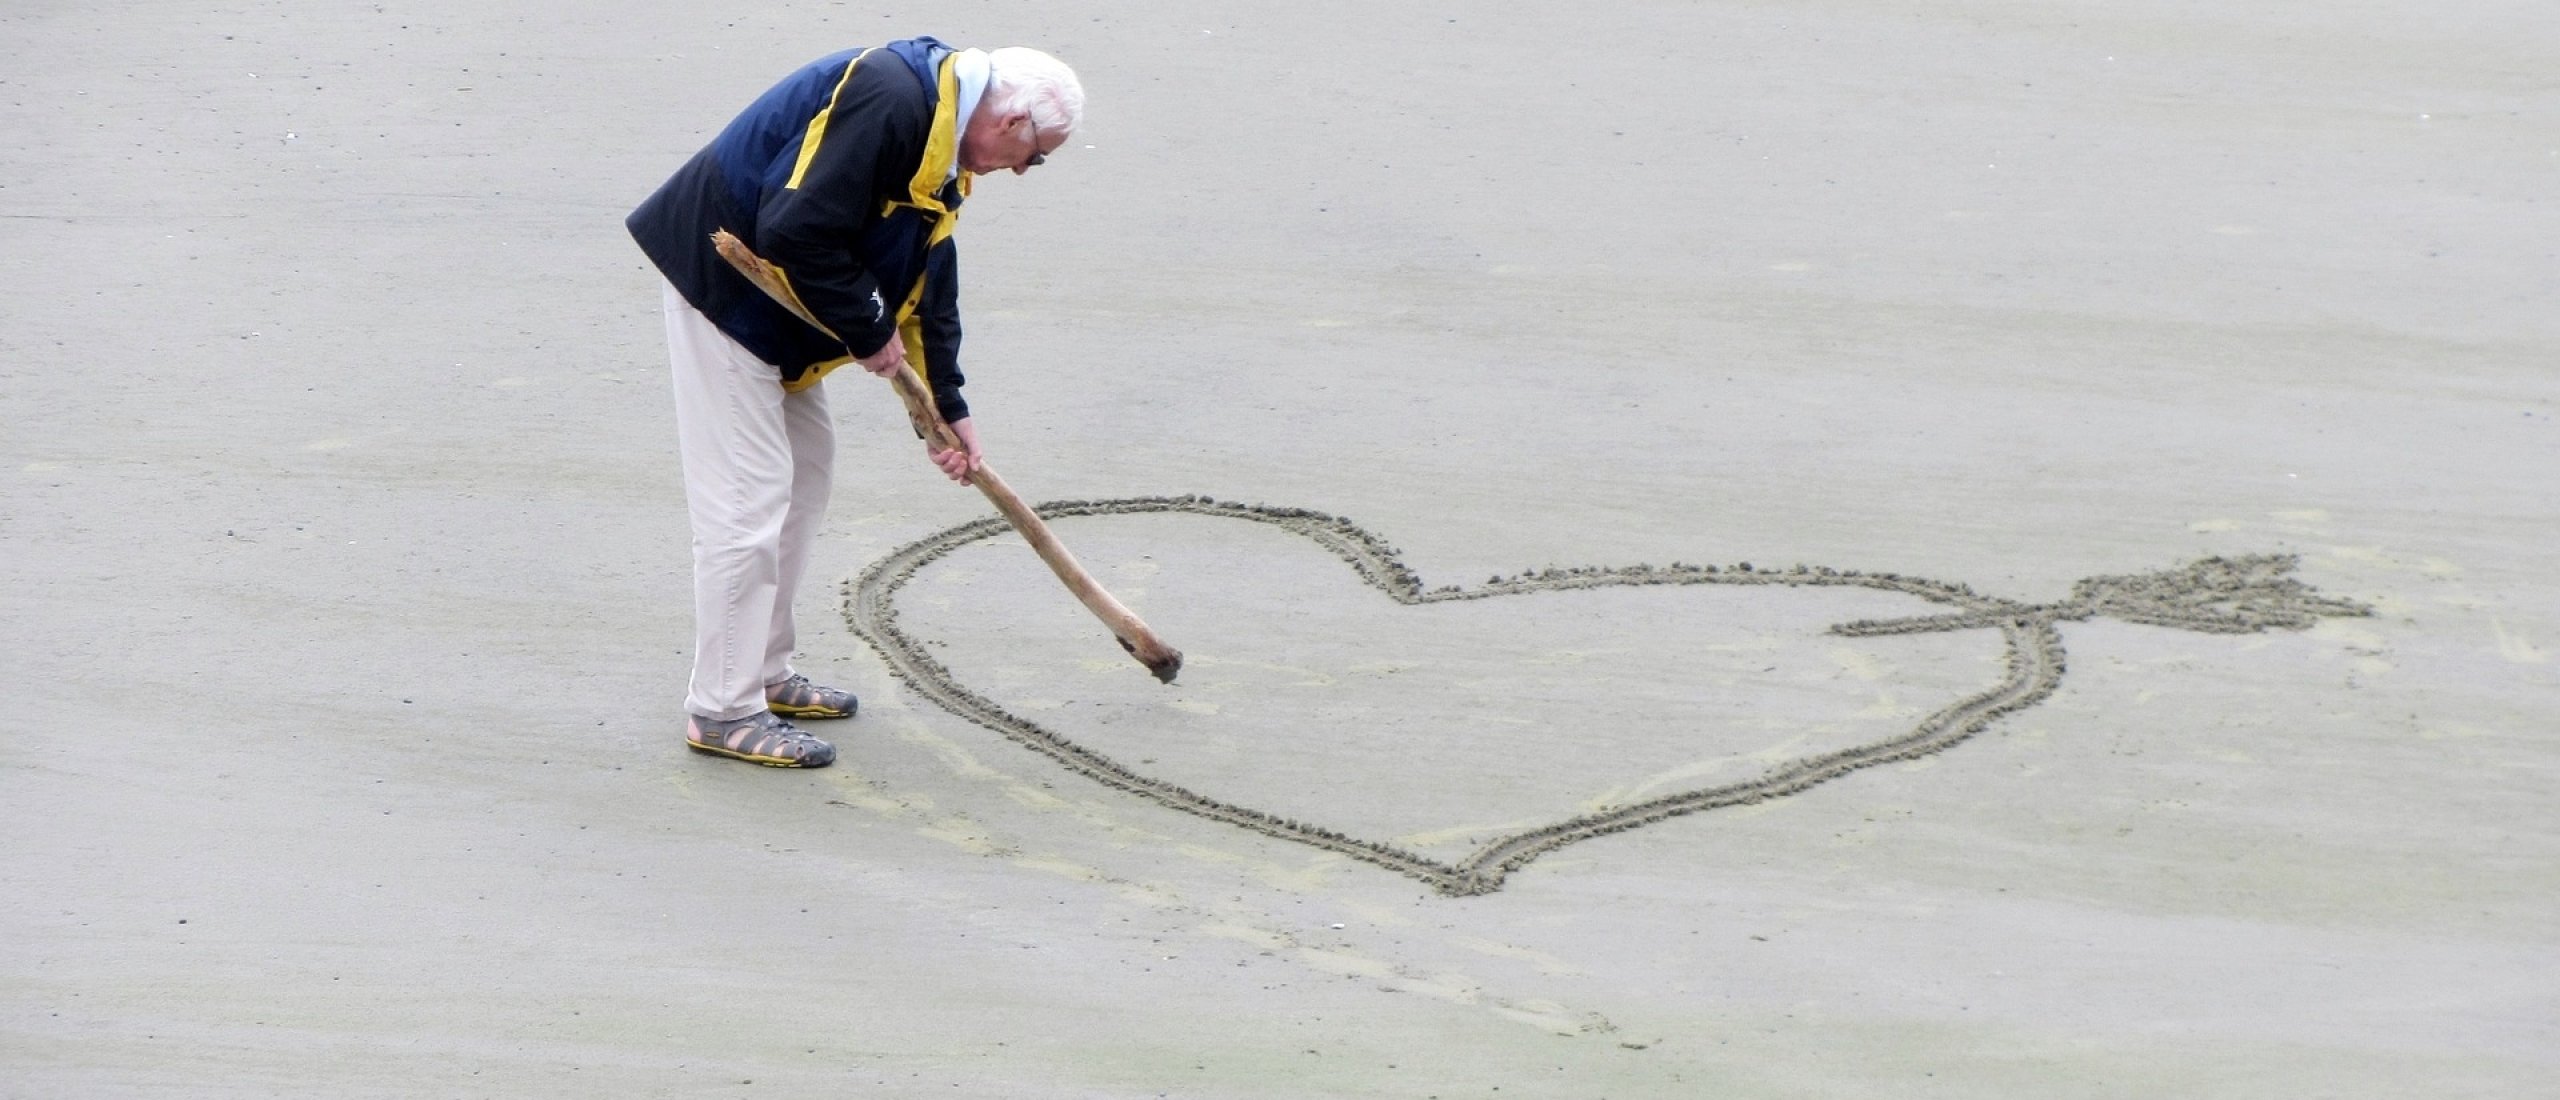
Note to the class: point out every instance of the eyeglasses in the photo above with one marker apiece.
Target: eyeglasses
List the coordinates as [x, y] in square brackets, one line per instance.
[1038, 158]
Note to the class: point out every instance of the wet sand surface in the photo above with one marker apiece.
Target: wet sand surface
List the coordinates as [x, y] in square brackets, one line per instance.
[344, 581]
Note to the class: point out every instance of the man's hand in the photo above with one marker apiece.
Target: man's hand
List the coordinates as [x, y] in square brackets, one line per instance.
[958, 465]
[886, 362]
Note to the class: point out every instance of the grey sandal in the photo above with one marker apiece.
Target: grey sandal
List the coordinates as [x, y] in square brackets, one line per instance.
[798, 698]
[758, 738]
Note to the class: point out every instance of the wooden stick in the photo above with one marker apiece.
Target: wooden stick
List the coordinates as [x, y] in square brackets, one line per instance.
[1161, 659]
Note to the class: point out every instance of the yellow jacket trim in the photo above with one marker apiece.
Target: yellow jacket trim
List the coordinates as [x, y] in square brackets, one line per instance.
[814, 375]
[817, 132]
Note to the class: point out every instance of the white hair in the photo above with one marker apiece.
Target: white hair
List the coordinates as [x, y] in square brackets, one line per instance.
[1027, 80]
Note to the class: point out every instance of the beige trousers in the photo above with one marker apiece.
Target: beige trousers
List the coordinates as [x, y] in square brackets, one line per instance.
[758, 463]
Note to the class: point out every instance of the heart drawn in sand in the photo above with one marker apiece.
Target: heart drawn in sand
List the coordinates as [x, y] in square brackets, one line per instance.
[2214, 595]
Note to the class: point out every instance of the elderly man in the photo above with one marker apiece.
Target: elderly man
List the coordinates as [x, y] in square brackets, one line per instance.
[845, 177]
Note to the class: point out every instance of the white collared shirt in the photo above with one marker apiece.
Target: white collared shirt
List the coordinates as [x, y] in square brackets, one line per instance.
[969, 70]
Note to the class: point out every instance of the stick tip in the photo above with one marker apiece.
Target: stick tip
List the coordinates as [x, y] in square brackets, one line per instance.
[1161, 659]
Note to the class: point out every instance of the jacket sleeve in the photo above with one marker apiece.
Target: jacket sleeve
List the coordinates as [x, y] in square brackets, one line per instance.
[862, 147]
[938, 318]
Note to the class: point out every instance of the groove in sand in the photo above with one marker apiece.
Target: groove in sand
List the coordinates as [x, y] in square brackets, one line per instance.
[2216, 595]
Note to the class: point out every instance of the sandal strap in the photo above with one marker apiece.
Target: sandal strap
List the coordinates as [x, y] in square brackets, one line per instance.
[768, 735]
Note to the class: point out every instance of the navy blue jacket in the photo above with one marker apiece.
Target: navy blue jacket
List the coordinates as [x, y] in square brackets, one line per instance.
[837, 178]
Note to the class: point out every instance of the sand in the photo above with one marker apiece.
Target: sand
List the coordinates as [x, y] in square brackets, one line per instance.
[346, 593]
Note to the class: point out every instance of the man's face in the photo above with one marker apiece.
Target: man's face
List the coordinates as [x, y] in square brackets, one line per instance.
[1011, 142]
